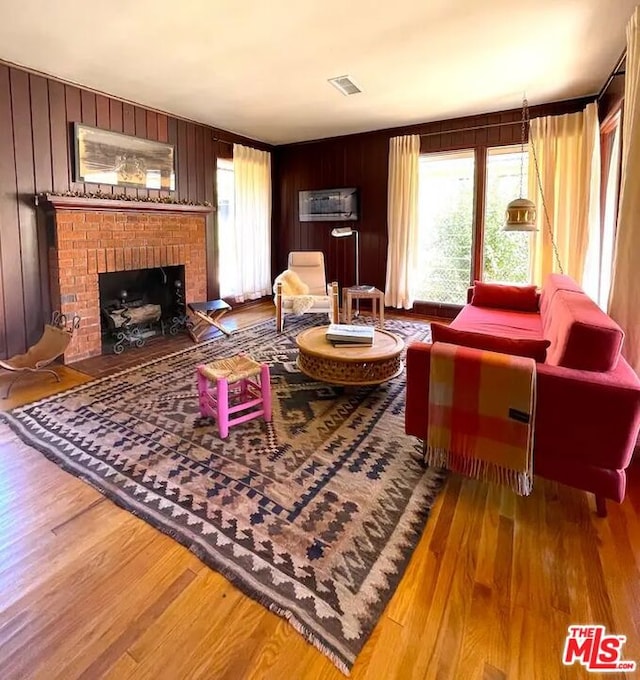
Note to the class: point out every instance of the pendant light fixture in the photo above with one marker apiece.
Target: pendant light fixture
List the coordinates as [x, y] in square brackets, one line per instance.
[521, 212]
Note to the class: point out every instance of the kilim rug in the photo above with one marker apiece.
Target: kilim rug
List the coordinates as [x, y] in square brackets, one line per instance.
[314, 515]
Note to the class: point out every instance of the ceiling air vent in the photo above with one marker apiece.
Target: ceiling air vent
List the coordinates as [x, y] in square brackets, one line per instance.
[345, 85]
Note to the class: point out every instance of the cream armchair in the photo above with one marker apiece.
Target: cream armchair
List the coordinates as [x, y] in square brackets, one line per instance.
[302, 288]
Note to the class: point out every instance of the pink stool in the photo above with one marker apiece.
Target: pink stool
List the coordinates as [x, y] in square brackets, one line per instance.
[226, 387]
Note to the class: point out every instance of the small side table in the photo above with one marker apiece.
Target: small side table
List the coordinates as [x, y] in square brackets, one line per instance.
[376, 296]
[206, 315]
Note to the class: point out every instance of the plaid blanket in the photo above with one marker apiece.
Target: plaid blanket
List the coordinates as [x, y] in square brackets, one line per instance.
[481, 414]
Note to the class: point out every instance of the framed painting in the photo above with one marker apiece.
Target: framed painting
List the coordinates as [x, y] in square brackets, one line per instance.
[328, 205]
[104, 157]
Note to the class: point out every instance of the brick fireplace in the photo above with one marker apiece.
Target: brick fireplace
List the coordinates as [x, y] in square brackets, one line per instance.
[91, 237]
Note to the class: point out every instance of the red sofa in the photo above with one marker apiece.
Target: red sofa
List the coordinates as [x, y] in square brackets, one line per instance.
[588, 398]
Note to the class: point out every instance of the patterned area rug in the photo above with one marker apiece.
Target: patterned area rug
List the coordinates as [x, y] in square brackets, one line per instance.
[315, 515]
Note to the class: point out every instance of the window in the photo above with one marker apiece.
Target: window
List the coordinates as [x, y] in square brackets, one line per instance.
[226, 243]
[506, 255]
[445, 205]
[451, 252]
[244, 224]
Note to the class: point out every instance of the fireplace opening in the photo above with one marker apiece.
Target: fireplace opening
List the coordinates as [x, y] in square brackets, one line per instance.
[138, 304]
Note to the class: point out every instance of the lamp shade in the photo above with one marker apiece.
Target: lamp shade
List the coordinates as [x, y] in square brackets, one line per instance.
[521, 216]
[342, 231]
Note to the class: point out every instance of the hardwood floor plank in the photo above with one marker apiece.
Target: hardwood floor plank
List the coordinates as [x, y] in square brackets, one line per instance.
[539, 644]
[503, 566]
[285, 654]
[622, 578]
[227, 651]
[80, 586]
[429, 660]
[599, 597]
[125, 667]
[532, 565]
[451, 663]
[485, 637]
[68, 526]
[80, 647]
[107, 659]
[492, 673]
[488, 537]
[555, 549]
[179, 628]
[440, 537]
[381, 664]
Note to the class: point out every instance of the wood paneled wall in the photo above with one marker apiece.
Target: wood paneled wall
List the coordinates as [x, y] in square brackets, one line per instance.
[36, 155]
[362, 161]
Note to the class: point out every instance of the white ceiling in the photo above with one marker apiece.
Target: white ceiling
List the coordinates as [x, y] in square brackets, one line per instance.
[261, 68]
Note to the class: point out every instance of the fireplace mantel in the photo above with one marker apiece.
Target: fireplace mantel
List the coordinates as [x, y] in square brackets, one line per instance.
[54, 202]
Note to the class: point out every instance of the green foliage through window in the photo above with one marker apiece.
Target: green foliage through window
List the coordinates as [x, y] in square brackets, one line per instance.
[446, 223]
[506, 254]
[446, 226]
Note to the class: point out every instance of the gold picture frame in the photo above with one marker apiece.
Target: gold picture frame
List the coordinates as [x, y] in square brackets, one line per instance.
[105, 157]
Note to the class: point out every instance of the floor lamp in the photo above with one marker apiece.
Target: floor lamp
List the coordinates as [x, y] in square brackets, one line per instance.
[342, 232]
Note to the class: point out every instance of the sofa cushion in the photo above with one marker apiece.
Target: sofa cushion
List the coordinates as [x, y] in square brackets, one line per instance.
[502, 296]
[582, 336]
[553, 284]
[521, 347]
[503, 322]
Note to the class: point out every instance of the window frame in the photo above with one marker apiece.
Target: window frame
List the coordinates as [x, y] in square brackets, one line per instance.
[449, 309]
[611, 129]
[222, 165]
[608, 128]
[496, 151]
[480, 152]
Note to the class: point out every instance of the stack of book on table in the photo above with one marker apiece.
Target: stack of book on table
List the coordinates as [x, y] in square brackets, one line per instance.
[346, 334]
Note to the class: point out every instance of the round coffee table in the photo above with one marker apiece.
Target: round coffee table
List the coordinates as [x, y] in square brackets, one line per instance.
[349, 365]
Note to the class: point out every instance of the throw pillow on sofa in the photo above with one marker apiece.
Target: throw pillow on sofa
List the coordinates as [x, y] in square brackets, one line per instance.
[503, 296]
[520, 347]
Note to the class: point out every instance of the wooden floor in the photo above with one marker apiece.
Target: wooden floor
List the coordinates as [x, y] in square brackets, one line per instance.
[87, 590]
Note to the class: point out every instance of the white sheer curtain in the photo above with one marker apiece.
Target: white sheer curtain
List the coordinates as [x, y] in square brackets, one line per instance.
[624, 301]
[248, 273]
[402, 220]
[599, 265]
[568, 153]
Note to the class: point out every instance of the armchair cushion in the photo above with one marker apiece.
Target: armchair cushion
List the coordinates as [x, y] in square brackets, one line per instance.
[309, 266]
[300, 304]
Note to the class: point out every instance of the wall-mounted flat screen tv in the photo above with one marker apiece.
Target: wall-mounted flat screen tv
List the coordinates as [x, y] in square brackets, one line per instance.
[328, 205]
